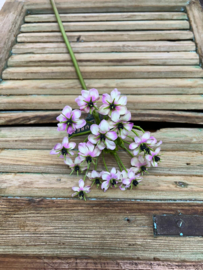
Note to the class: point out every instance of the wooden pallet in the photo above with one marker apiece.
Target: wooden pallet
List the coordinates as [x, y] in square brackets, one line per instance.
[152, 52]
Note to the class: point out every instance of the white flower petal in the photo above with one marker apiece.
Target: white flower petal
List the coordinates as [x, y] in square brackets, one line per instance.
[104, 126]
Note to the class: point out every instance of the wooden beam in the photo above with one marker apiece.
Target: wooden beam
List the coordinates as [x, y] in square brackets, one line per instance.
[195, 14]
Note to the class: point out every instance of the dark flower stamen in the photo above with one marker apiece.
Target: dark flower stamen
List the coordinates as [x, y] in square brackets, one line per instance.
[112, 106]
[156, 158]
[135, 183]
[81, 194]
[97, 181]
[120, 126]
[102, 137]
[90, 104]
[89, 159]
[147, 150]
[143, 168]
[64, 151]
[143, 147]
[113, 182]
[77, 168]
[69, 122]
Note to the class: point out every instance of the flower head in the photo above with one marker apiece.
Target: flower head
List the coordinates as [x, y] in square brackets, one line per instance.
[154, 158]
[64, 149]
[110, 179]
[130, 179]
[87, 101]
[122, 126]
[114, 105]
[88, 151]
[141, 163]
[77, 165]
[69, 120]
[95, 177]
[81, 191]
[143, 143]
[102, 136]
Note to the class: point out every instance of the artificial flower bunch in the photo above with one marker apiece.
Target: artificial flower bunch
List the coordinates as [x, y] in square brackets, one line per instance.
[110, 132]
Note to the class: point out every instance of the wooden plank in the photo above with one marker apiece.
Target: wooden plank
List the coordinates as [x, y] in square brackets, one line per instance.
[130, 16]
[54, 102]
[106, 36]
[44, 263]
[11, 16]
[93, 229]
[103, 72]
[174, 139]
[124, 46]
[107, 26]
[105, 59]
[126, 86]
[47, 117]
[194, 10]
[40, 161]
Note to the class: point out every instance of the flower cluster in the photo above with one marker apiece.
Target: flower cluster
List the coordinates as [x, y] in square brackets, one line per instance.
[111, 131]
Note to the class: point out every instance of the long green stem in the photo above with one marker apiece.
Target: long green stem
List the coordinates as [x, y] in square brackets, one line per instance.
[126, 149]
[121, 162]
[126, 142]
[119, 165]
[80, 134]
[72, 55]
[137, 127]
[104, 162]
[135, 133]
[95, 167]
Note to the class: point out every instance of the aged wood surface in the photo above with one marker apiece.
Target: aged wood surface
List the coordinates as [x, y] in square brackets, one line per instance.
[105, 59]
[121, 46]
[11, 16]
[148, 102]
[104, 229]
[151, 86]
[195, 13]
[48, 263]
[107, 36]
[122, 16]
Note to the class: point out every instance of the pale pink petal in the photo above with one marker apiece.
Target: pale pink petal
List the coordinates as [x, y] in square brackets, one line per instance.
[126, 181]
[136, 152]
[137, 140]
[159, 143]
[90, 146]
[96, 152]
[75, 189]
[85, 93]
[111, 135]
[80, 101]
[105, 175]
[61, 126]
[115, 116]
[122, 100]
[113, 170]
[110, 144]
[149, 158]
[93, 139]
[61, 118]
[68, 161]
[103, 109]
[133, 145]
[53, 152]
[131, 174]
[70, 130]
[157, 151]
[115, 94]
[106, 99]
[65, 141]
[74, 194]
[94, 94]
[95, 129]
[128, 126]
[146, 136]
[126, 117]
[82, 147]
[67, 111]
[123, 133]
[134, 161]
[105, 185]
[72, 145]
[81, 183]
[101, 145]
[121, 109]
[95, 174]
[104, 126]
[76, 114]
[80, 123]
[58, 146]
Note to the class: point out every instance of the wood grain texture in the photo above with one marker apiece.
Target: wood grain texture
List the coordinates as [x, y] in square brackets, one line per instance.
[195, 13]
[107, 26]
[103, 72]
[126, 86]
[105, 59]
[106, 36]
[11, 16]
[40, 161]
[174, 139]
[122, 46]
[130, 16]
[47, 117]
[71, 228]
[47, 263]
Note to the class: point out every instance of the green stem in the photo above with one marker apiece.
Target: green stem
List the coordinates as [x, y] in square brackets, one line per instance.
[72, 55]
[104, 162]
[118, 162]
[80, 134]
[126, 142]
[135, 133]
[130, 137]
[126, 149]
[121, 162]
[137, 127]
[95, 167]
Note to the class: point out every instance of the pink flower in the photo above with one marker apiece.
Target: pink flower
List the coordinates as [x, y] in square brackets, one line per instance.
[153, 157]
[122, 126]
[95, 177]
[87, 102]
[114, 105]
[88, 152]
[102, 137]
[69, 120]
[81, 191]
[110, 179]
[143, 143]
[64, 149]
[141, 163]
[76, 165]
[130, 179]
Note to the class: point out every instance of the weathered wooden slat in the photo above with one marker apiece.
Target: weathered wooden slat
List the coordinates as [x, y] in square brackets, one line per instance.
[54, 102]
[40, 161]
[174, 139]
[105, 229]
[130, 16]
[124, 46]
[194, 10]
[47, 117]
[103, 72]
[105, 59]
[126, 86]
[107, 36]
[44, 263]
[153, 187]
